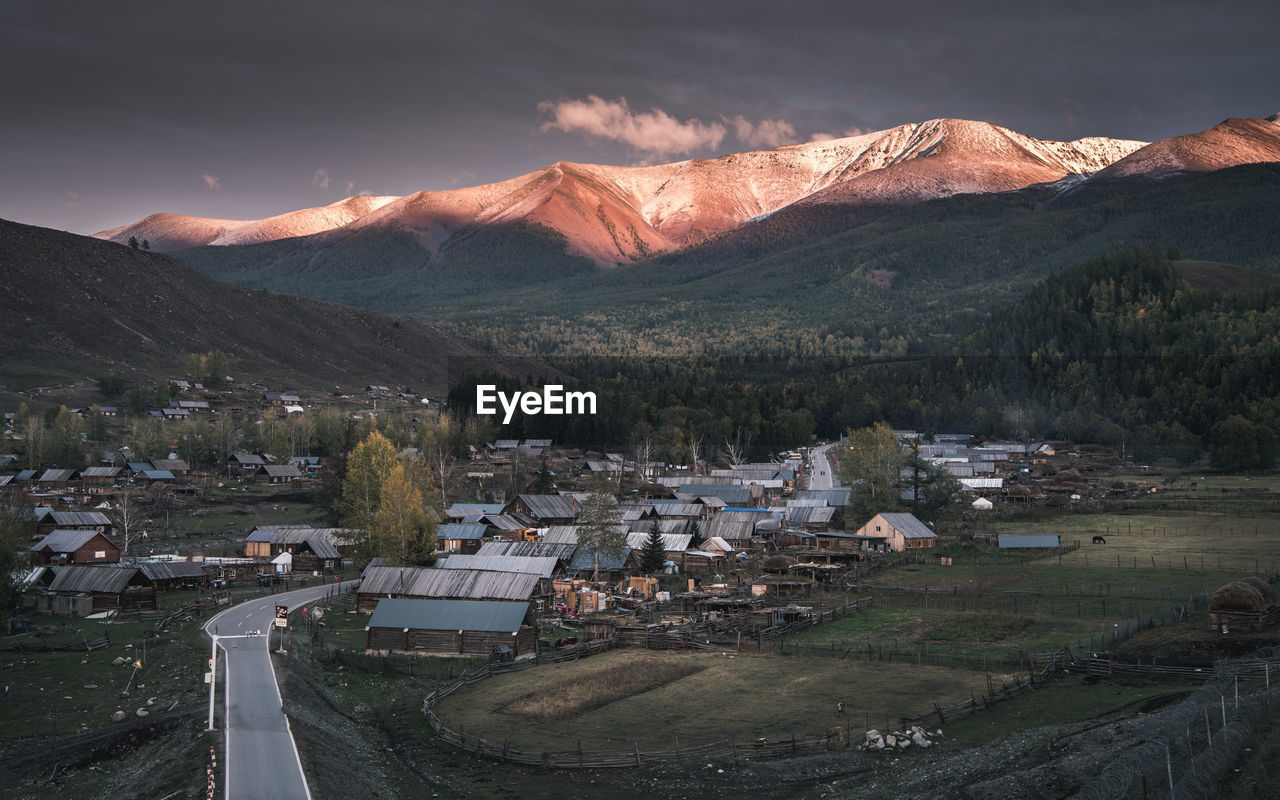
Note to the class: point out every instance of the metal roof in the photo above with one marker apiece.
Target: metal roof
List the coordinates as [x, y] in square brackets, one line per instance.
[982, 483]
[547, 506]
[171, 464]
[839, 496]
[449, 615]
[248, 459]
[65, 540]
[671, 542]
[109, 579]
[79, 519]
[158, 475]
[1029, 540]
[542, 566]
[810, 515]
[282, 471]
[585, 560]
[561, 551]
[56, 475]
[100, 472]
[456, 531]
[909, 526]
[169, 570]
[729, 529]
[457, 584]
[729, 494]
[561, 534]
[458, 510]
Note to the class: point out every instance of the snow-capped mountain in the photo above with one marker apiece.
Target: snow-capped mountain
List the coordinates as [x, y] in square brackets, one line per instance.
[614, 214]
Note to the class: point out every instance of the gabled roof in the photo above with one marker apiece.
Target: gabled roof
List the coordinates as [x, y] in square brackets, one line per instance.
[248, 459]
[585, 560]
[460, 510]
[79, 519]
[456, 531]
[158, 475]
[26, 474]
[171, 464]
[731, 495]
[282, 471]
[169, 570]
[838, 496]
[561, 551]
[100, 472]
[56, 475]
[909, 526]
[449, 615]
[548, 506]
[563, 534]
[456, 584]
[95, 578]
[810, 515]
[65, 540]
[671, 542]
[542, 566]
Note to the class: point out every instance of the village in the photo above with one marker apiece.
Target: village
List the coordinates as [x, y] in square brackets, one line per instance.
[605, 564]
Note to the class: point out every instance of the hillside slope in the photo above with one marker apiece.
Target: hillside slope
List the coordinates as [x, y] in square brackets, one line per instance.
[78, 307]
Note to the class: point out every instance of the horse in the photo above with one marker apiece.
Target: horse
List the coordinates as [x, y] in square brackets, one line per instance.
[1099, 540]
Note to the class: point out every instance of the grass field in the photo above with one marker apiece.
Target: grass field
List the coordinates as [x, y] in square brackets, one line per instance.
[729, 696]
[71, 691]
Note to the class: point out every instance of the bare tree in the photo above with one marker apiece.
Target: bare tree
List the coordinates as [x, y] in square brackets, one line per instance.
[443, 467]
[644, 457]
[695, 450]
[128, 519]
[736, 450]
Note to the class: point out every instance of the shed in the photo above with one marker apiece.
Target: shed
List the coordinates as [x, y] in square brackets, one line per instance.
[109, 587]
[461, 627]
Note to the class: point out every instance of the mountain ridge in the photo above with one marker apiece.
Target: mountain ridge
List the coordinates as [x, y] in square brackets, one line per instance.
[620, 214]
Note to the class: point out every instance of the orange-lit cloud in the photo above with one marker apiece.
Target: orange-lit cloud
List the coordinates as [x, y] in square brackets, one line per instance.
[765, 133]
[653, 132]
[212, 181]
[321, 179]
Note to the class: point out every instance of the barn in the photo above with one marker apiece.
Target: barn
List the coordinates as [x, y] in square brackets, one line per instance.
[451, 627]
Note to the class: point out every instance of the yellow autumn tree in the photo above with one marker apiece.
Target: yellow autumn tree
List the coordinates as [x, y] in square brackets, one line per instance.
[403, 532]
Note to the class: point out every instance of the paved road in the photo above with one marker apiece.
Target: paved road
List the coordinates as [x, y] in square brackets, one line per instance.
[261, 760]
[821, 475]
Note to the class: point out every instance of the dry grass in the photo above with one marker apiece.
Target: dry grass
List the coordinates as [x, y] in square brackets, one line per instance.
[599, 687]
[725, 697]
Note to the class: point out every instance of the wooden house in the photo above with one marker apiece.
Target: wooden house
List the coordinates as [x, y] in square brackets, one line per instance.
[901, 532]
[450, 627]
[75, 546]
[460, 538]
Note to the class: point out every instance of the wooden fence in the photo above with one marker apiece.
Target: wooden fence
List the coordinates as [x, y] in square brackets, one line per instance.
[1047, 665]
[829, 615]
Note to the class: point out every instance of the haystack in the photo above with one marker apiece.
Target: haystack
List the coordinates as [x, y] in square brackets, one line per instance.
[1239, 596]
[1267, 590]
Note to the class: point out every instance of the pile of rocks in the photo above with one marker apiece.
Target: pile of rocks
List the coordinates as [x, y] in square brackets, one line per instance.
[901, 740]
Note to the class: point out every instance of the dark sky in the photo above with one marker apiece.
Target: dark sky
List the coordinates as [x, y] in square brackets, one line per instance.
[115, 110]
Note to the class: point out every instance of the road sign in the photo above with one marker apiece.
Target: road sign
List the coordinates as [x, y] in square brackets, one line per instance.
[282, 616]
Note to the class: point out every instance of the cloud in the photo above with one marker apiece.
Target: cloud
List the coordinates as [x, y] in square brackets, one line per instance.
[826, 137]
[653, 132]
[765, 133]
[321, 179]
[351, 188]
[73, 199]
[212, 181]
